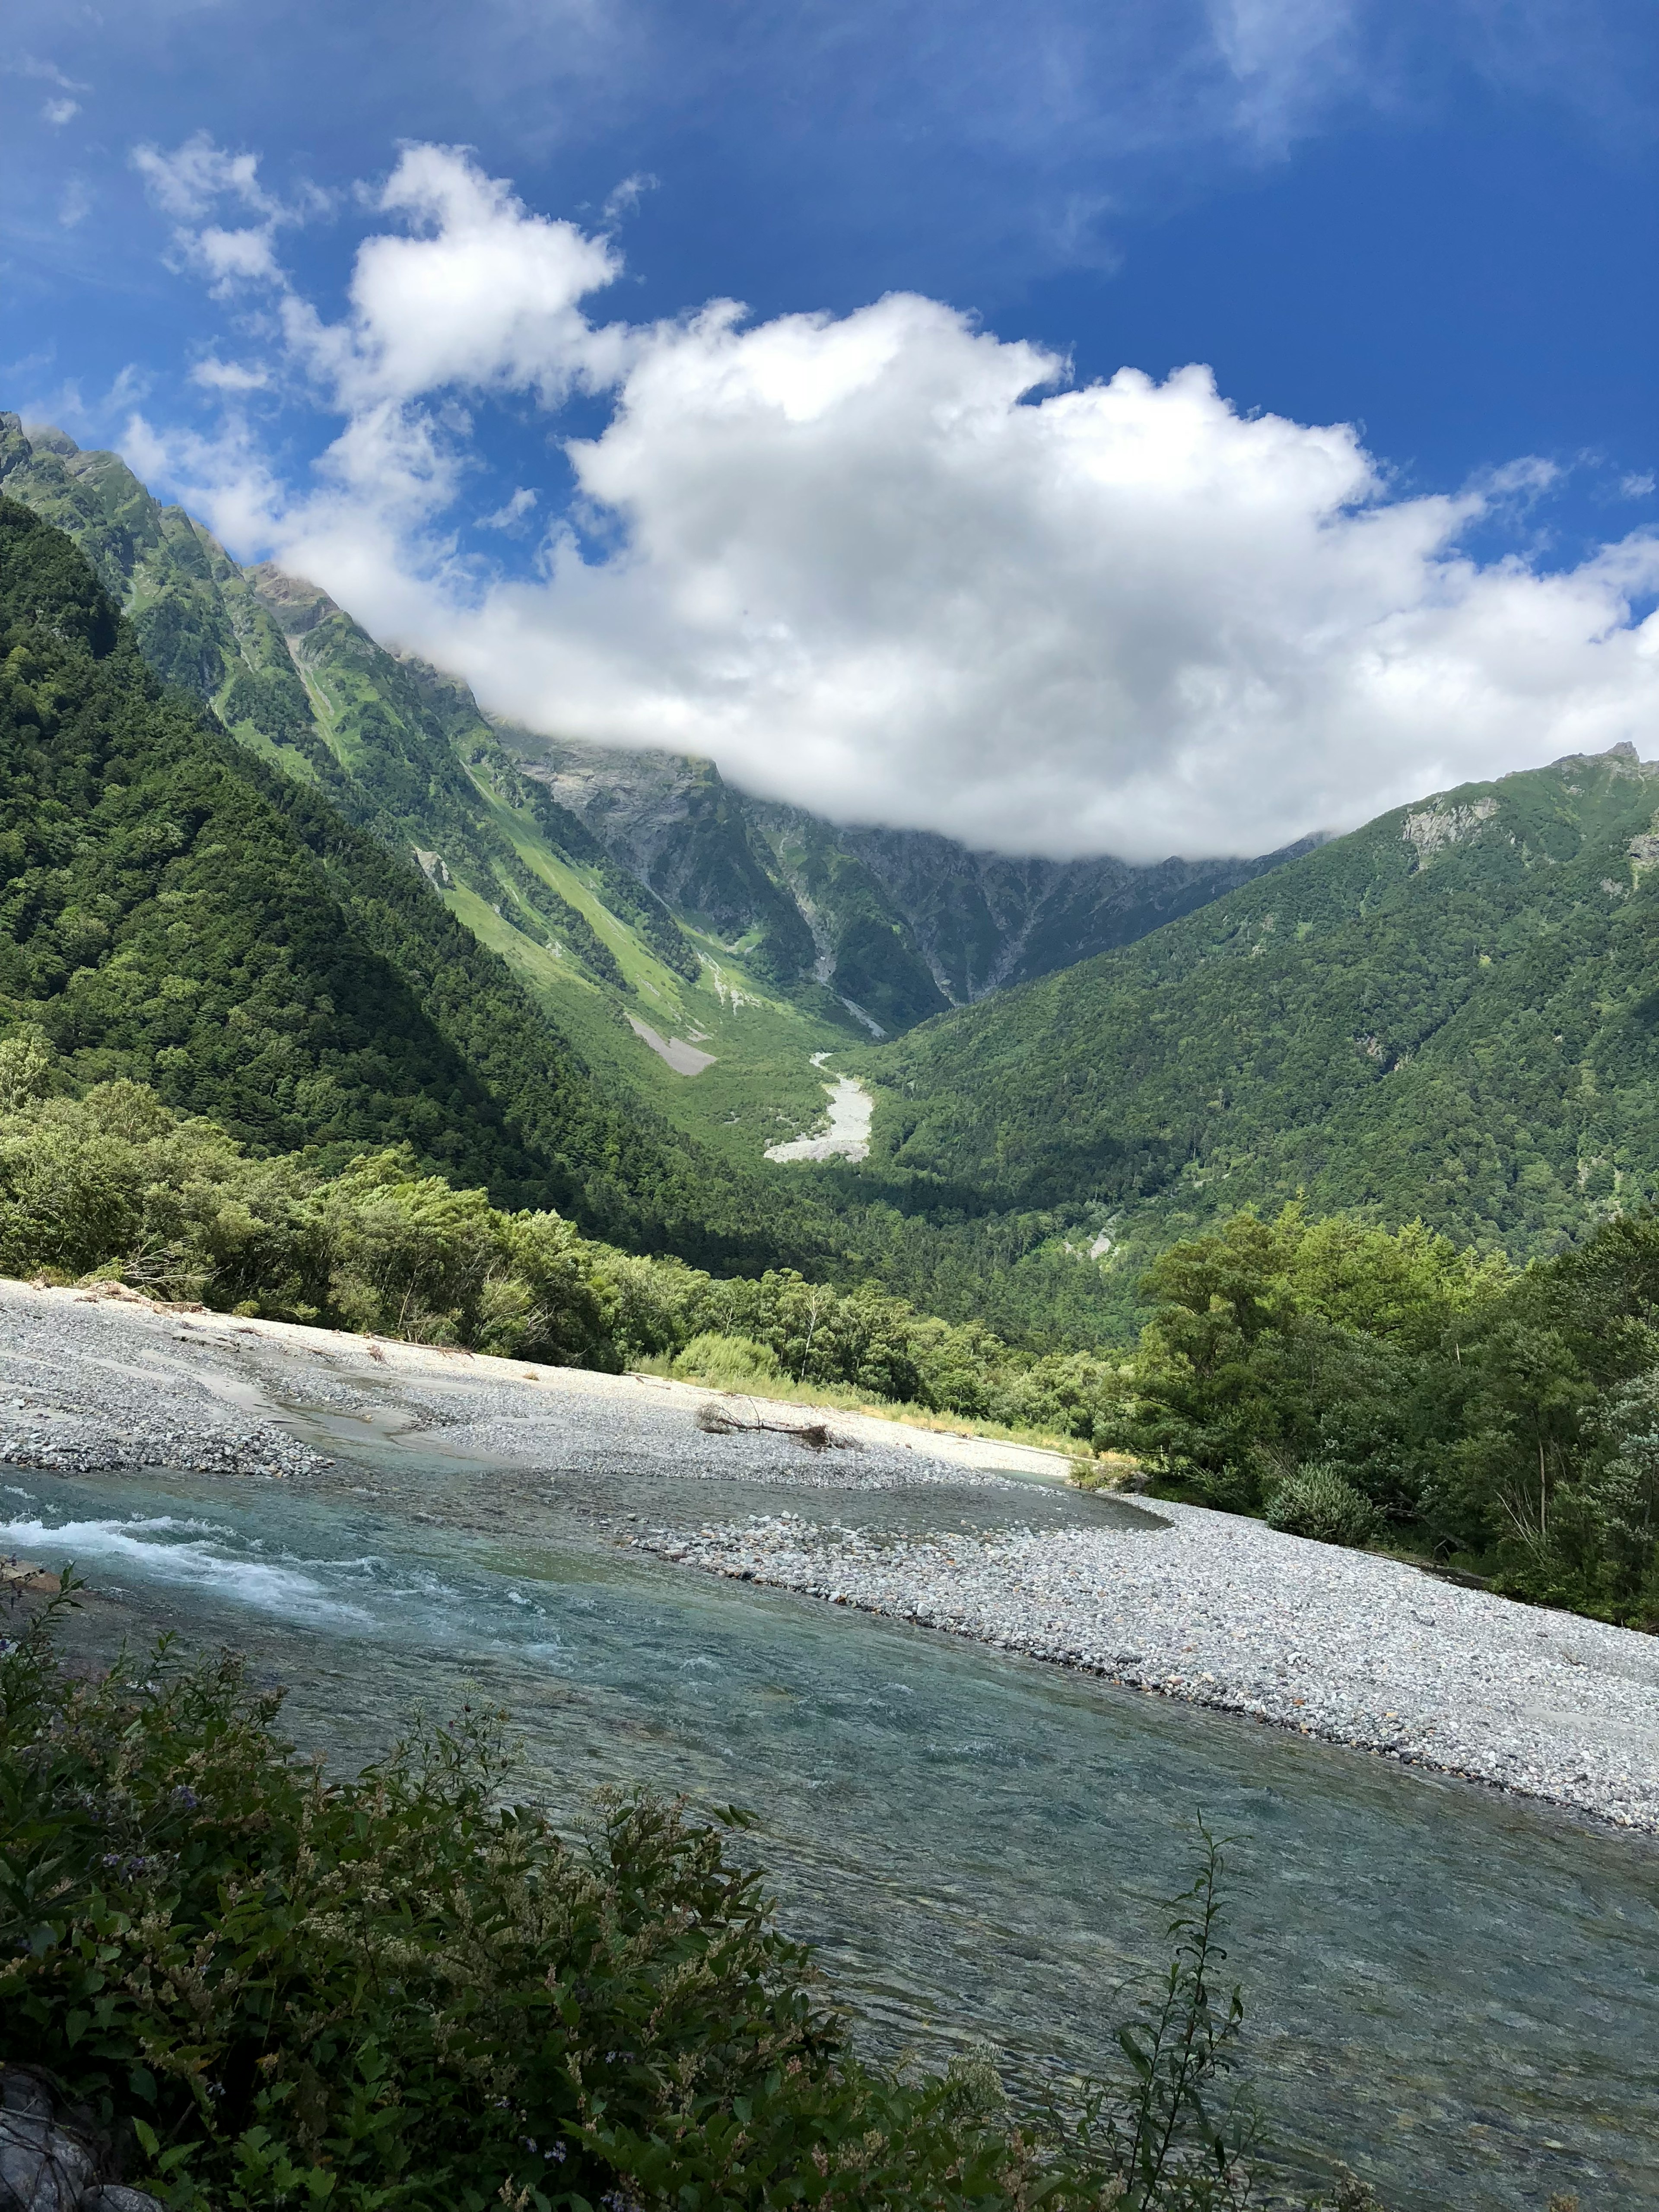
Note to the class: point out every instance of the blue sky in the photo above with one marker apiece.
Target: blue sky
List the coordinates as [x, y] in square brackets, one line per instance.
[1432, 225]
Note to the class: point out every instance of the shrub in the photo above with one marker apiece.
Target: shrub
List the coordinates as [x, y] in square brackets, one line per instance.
[1317, 1501]
[278, 1989]
[737, 1362]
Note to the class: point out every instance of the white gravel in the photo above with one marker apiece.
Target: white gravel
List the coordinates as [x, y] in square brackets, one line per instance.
[81, 1397]
[846, 1133]
[1224, 1612]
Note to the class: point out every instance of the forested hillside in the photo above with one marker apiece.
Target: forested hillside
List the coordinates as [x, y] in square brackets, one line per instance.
[581, 850]
[173, 910]
[1452, 1014]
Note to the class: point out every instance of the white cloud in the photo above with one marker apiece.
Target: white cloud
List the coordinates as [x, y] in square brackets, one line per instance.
[1287, 59]
[236, 257]
[513, 516]
[624, 199]
[1638, 487]
[484, 295]
[893, 568]
[193, 183]
[216, 376]
[196, 176]
[74, 203]
[59, 112]
[43, 72]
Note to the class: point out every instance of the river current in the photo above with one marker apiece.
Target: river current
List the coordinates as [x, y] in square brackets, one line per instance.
[1455, 1991]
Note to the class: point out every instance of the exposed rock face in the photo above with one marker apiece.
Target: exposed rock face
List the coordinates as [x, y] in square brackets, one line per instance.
[901, 923]
[985, 920]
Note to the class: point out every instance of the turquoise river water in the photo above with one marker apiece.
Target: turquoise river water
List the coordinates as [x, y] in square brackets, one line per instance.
[1455, 1991]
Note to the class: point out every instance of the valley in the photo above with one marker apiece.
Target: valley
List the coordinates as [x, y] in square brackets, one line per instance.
[513, 1134]
[613, 884]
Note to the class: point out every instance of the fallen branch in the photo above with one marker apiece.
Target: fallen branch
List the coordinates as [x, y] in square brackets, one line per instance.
[715, 1419]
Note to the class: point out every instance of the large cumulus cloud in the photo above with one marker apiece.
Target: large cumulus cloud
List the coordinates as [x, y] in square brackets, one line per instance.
[897, 569]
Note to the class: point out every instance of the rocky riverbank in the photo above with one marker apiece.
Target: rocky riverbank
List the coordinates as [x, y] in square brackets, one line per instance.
[1224, 1612]
[940, 1531]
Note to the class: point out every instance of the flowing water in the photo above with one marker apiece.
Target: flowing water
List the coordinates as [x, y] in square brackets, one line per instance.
[1457, 1992]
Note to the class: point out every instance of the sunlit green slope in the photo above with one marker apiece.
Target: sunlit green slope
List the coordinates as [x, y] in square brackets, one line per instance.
[1454, 1012]
[404, 753]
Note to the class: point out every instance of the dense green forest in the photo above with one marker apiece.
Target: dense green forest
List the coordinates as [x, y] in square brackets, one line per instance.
[175, 911]
[1358, 1386]
[1451, 1014]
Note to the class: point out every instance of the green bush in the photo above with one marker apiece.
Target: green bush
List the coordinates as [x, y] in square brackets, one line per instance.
[1317, 1501]
[115, 1183]
[275, 1989]
[735, 1361]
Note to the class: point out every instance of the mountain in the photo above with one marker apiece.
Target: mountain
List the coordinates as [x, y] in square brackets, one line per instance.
[602, 859]
[899, 924]
[174, 909]
[512, 950]
[401, 752]
[1453, 1013]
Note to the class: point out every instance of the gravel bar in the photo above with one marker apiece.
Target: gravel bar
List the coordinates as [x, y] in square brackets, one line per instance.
[1224, 1612]
[1209, 1608]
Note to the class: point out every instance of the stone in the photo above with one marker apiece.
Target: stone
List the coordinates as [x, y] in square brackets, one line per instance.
[42, 2167]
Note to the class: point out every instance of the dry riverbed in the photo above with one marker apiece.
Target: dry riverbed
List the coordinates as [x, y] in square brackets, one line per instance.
[1215, 1610]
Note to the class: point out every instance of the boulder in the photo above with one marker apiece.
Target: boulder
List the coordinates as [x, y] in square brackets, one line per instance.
[46, 2167]
[43, 2168]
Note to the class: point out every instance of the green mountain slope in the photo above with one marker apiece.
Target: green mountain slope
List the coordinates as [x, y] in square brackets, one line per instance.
[174, 909]
[1454, 1012]
[895, 925]
[402, 752]
[662, 922]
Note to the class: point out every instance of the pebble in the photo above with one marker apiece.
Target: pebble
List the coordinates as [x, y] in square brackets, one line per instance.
[1212, 1608]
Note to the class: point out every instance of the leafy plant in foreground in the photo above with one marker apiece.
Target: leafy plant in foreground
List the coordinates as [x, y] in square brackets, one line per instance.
[278, 1989]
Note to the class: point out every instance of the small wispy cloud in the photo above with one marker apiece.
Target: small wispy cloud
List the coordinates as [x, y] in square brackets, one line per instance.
[200, 180]
[194, 176]
[237, 257]
[60, 112]
[627, 196]
[515, 516]
[67, 407]
[216, 376]
[43, 72]
[1636, 487]
[74, 203]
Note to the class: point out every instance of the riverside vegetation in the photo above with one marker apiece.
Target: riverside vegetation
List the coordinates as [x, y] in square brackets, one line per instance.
[265, 1987]
[1354, 1384]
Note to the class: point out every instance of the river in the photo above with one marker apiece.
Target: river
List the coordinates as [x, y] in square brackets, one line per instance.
[1456, 1991]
